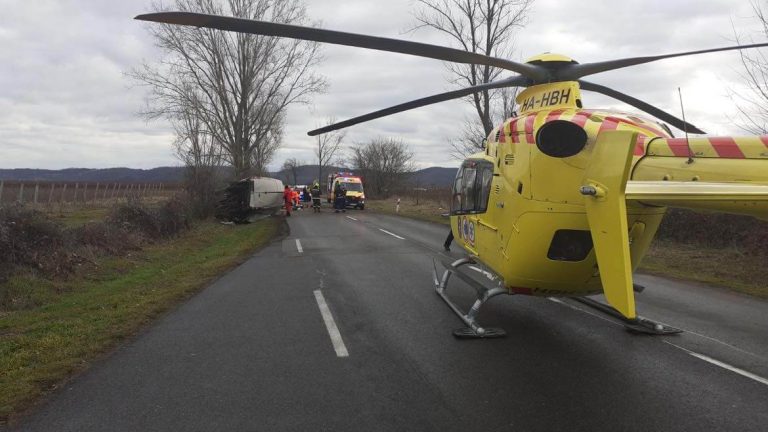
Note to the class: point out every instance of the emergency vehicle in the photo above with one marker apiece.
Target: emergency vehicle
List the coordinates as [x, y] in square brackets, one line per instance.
[249, 196]
[354, 186]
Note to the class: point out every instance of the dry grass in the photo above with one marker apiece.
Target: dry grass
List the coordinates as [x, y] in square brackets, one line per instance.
[72, 218]
[426, 210]
[724, 267]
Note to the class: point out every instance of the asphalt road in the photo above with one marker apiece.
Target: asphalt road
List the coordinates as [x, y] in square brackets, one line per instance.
[253, 352]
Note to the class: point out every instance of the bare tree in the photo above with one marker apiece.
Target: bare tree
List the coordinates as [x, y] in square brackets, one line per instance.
[244, 82]
[383, 163]
[473, 136]
[752, 103]
[291, 170]
[202, 157]
[485, 27]
[328, 145]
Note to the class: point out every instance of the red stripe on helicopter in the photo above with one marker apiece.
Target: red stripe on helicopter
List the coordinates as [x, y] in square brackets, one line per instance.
[581, 117]
[640, 145]
[612, 123]
[554, 115]
[637, 125]
[529, 121]
[513, 131]
[764, 139]
[726, 147]
[609, 123]
[679, 147]
[502, 135]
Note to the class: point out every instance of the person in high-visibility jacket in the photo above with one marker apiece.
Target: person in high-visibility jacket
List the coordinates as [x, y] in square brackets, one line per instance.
[288, 198]
[315, 193]
[340, 198]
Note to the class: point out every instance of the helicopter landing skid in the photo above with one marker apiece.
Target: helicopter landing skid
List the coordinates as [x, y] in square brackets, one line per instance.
[638, 325]
[473, 330]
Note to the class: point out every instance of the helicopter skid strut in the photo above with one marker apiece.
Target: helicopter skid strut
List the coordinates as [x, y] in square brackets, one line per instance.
[637, 325]
[473, 329]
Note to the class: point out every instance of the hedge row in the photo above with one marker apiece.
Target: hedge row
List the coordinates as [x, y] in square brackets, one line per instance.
[30, 241]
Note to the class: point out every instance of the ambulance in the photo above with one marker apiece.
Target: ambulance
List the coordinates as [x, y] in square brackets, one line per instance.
[354, 186]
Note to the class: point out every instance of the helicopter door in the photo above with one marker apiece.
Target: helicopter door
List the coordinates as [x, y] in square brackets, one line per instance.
[471, 191]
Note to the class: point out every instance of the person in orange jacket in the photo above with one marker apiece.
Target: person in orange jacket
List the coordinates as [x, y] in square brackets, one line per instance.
[295, 197]
[288, 198]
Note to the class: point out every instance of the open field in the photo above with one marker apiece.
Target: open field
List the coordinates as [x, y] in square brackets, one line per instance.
[68, 196]
[108, 301]
[728, 267]
[426, 210]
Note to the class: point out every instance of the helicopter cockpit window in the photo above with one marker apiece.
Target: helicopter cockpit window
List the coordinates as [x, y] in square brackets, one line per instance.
[472, 188]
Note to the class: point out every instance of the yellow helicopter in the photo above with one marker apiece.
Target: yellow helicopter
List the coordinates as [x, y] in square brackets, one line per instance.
[564, 201]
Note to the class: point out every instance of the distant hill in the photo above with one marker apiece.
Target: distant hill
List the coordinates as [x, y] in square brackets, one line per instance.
[306, 174]
[434, 177]
[428, 177]
[127, 175]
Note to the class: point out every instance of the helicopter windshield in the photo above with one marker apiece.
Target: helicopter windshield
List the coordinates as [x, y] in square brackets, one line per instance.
[472, 187]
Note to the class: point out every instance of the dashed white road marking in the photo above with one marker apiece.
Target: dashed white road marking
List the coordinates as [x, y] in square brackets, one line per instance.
[558, 301]
[350, 217]
[695, 354]
[298, 246]
[330, 325]
[723, 365]
[733, 347]
[392, 234]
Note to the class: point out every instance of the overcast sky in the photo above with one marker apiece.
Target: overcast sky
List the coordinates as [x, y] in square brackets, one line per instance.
[65, 102]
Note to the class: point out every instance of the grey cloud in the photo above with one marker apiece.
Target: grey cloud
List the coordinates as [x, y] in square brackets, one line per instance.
[66, 101]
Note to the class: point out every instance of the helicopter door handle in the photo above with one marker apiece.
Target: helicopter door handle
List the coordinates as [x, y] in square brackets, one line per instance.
[480, 222]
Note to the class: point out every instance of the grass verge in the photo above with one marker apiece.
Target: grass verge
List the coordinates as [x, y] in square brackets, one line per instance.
[40, 348]
[79, 216]
[723, 267]
[426, 210]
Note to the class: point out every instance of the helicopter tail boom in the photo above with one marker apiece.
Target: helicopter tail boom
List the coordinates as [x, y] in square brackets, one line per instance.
[738, 198]
[725, 174]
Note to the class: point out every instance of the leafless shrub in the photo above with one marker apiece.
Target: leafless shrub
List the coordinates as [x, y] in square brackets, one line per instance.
[168, 220]
[384, 164]
[100, 238]
[173, 216]
[30, 242]
[715, 230]
[29, 239]
[133, 216]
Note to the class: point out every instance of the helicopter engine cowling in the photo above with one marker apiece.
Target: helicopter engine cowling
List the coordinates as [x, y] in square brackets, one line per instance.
[561, 139]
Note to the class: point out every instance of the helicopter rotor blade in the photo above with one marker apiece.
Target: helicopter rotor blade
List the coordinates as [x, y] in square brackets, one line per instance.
[341, 38]
[573, 72]
[515, 81]
[642, 106]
